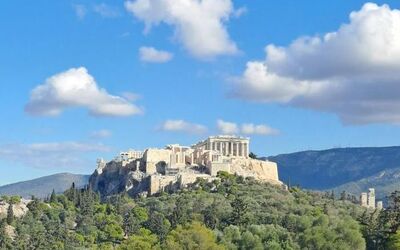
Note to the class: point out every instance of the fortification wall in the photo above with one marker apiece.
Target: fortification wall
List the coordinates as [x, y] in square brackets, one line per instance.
[154, 157]
[160, 183]
[260, 170]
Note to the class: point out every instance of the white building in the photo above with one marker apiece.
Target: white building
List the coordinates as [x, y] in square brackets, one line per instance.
[371, 198]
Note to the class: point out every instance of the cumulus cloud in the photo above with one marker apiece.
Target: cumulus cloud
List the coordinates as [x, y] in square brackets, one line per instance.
[152, 55]
[106, 11]
[198, 24]
[245, 129]
[76, 88]
[227, 127]
[353, 72]
[183, 126]
[51, 155]
[261, 129]
[101, 134]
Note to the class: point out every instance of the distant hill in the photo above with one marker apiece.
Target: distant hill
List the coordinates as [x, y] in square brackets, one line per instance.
[41, 187]
[384, 182]
[353, 168]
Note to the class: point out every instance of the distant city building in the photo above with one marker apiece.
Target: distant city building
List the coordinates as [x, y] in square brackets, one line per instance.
[371, 198]
[379, 205]
[364, 199]
[368, 200]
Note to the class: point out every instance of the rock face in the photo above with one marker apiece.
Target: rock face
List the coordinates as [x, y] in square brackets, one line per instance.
[261, 170]
[19, 209]
[113, 178]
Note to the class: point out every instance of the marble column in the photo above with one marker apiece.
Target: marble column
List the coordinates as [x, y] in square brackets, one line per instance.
[237, 149]
[226, 149]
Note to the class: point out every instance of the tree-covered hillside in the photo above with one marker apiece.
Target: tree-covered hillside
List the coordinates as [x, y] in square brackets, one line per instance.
[233, 213]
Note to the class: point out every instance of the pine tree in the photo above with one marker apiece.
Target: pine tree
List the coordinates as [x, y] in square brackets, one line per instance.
[10, 214]
[53, 197]
[343, 196]
[5, 241]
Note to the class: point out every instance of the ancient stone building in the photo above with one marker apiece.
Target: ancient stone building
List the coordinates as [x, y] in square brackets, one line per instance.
[176, 166]
[232, 146]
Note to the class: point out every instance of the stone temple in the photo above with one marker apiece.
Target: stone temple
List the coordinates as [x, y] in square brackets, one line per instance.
[154, 170]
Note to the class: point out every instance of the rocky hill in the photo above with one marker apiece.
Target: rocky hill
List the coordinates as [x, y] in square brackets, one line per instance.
[42, 187]
[354, 169]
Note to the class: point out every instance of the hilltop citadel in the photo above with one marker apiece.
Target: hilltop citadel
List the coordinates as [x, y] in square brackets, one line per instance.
[154, 170]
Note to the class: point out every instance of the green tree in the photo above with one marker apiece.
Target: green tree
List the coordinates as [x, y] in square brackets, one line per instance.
[10, 214]
[239, 213]
[5, 241]
[142, 240]
[192, 236]
[394, 241]
[158, 224]
[252, 155]
[134, 219]
[53, 197]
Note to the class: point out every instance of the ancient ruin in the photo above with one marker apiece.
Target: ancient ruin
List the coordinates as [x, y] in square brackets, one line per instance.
[175, 166]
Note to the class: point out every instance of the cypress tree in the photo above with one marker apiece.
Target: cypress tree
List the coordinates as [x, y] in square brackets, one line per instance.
[10, 214]
[53, 197]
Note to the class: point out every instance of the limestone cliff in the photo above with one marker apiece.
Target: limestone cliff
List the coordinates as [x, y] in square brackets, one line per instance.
[261, 170]
[114, 178]
[19, 209]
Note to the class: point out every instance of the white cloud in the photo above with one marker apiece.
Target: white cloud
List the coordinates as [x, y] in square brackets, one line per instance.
[106, 11]
[76, 88]
[51, 155]
[240, 12]
[152, 55]
[353, 72]
[227, 127]
[261, 129]
[101, 134]
[230, 128]
[183, 126]
[130, 96]
[198, 24]
[80, 10]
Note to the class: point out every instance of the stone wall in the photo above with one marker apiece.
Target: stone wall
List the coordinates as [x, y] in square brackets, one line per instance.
[260, 170]
[215, 167]
[19, 209]
[160, 183]
[154, 159]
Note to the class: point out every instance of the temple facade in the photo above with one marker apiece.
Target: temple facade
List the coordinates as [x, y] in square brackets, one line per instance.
[232, 146]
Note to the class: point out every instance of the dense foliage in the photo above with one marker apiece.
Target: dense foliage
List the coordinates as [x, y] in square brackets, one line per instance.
[231, 213]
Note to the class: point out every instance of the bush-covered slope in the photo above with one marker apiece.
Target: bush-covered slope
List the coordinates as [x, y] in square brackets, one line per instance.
[234, 213]
[42, 187]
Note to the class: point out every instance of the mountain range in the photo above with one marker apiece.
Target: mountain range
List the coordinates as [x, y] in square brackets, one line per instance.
[43, 186]
[351, 169]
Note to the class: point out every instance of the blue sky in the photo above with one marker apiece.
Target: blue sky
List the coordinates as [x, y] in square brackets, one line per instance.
[331, 93]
